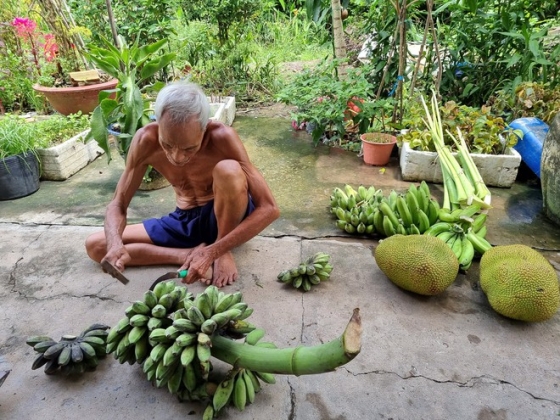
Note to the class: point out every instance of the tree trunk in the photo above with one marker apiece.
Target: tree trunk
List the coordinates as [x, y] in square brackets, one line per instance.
[338, 36]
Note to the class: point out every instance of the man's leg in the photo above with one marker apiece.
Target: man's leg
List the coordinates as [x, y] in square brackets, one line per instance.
[139, 246]
[230, 205]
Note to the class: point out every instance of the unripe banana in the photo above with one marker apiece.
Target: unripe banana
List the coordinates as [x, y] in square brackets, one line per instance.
[254, 336]
[136, 333]
[239, 392]
[142, 350]
[433, 211]
[43, 346]
[225, 302]
[445, 215]
[404, 211]
[266, 377]
[414, 230]
[479, 222]
[482, 232]
[412, 203]
[467, 253]
[401, 230]
[159, 311]
[378, 221]
[446, 236]
[87, 350]
[65, 355]
[141, 308]
[386, 210]
[194, 314]
[424, 222]
[189, 376]
[457, 246]
[249, 387]
[223, 392]
[186, 339]
[36, 339]
[438, 228]
[208, 412]
[480, 245]
[209, 326]
[388, 228]
[203, 304]
[156, 354]
[167, 301]
[349, 228]
[187, 355]
[254, 380]
[139, 320]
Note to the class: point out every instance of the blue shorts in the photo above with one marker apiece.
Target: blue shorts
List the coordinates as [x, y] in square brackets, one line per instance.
[187, 228]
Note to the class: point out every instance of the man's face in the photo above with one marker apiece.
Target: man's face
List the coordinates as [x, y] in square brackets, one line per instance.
[180, 142]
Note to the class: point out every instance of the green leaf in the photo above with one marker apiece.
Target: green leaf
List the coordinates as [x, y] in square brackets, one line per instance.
[149, 50]
[154, 66]
[99, 130]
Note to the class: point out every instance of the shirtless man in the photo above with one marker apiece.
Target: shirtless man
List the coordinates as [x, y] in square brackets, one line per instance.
[222, 199]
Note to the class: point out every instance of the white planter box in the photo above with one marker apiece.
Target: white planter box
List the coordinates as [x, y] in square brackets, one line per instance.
[496, 170]
[63, 160]
[223, 109]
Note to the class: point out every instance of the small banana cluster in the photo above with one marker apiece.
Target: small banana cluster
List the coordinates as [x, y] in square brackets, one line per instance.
[464, 231]
[170, 334]
[308, 273]
[368, 211]
[72, 354]
[240, 385]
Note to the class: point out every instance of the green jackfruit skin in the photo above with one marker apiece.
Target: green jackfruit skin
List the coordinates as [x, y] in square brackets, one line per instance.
[417, 263]
[519, 283]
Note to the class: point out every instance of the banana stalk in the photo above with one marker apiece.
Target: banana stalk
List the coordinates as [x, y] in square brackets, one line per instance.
[297, 361]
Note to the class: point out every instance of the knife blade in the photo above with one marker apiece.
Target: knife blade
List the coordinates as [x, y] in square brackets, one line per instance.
[112, 270]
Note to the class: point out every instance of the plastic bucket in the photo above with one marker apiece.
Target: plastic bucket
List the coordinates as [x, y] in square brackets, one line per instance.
[531, 145]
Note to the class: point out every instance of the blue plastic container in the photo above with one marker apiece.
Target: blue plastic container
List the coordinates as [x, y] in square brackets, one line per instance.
[531, 145]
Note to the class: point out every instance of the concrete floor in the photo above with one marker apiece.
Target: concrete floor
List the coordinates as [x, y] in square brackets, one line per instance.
[444, 357]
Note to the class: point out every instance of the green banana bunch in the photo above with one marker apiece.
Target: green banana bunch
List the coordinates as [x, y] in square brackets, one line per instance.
[462, 239]
[368, 212]
[308, 273]
[170, 333]
[72, 354]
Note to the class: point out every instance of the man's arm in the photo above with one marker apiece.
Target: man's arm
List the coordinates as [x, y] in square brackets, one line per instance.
[116, 213]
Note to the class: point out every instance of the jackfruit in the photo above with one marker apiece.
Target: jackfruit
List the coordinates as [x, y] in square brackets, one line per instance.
[417, 263]
[519, 283]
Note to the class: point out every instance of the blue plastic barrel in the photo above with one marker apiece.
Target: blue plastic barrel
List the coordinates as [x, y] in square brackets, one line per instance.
[531, 145]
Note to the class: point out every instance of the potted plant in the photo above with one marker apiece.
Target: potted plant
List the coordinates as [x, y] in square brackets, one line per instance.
[377, 147]
[63, 149]
[489, 139]
[67, 92]
[19, 163]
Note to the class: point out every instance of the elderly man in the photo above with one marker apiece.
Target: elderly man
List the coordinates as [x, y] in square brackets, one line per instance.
[222, 199]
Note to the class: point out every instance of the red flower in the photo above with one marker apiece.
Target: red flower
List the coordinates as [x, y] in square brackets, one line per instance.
[25, 27]
[50, 49]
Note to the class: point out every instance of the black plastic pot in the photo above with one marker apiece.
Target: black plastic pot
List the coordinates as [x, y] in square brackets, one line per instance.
[19, 176]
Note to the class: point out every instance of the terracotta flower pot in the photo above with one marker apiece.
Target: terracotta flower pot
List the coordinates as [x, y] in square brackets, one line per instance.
[70, 100]
[377, 148]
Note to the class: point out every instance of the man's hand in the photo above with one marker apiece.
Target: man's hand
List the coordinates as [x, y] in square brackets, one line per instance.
[199, 263]
[118, 257]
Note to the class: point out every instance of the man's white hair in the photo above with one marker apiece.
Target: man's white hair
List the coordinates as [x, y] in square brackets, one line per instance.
[181, 101]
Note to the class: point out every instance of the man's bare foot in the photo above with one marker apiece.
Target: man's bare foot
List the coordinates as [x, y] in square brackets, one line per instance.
[225, 270]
